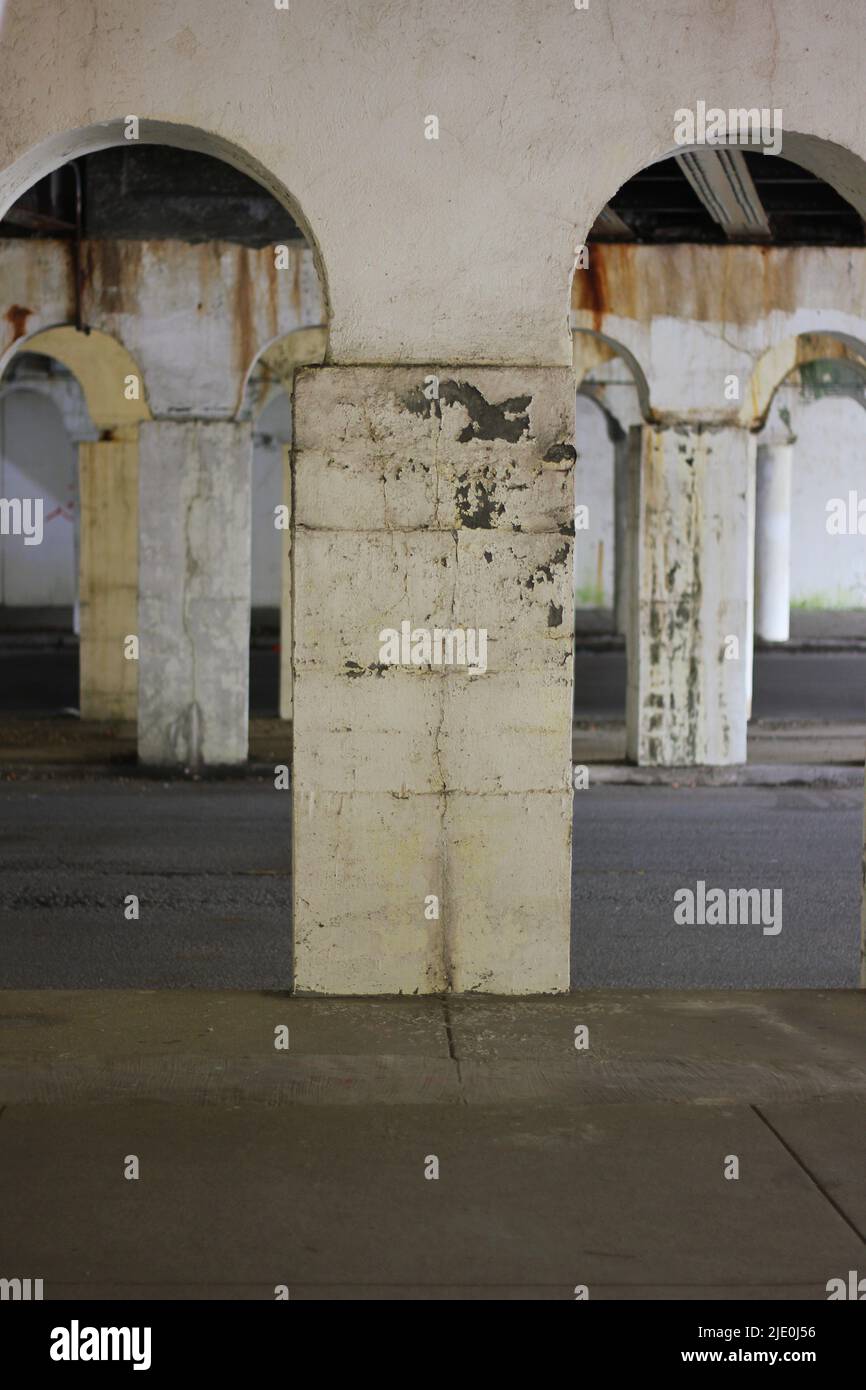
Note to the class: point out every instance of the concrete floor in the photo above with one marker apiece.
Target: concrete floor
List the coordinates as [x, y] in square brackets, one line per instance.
[211, 865]
[556, 1167]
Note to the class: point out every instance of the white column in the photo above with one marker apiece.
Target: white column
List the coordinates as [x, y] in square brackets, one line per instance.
[750, 587]
[621, 552]
[194, 586]
[688, 625]
[773, 542]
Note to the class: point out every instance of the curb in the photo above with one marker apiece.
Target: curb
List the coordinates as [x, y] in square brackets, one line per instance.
[745, 775]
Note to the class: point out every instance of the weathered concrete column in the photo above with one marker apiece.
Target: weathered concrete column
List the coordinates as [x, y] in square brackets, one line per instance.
[750, 586]
[622, 553]
[108, 575]
[432, 802]
[686, 702]
[773, 542]
[194, 606]
[286, 678]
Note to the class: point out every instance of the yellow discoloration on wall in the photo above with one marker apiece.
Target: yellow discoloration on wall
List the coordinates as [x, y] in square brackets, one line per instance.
[108, 473]
[102, 366]
[778, 362]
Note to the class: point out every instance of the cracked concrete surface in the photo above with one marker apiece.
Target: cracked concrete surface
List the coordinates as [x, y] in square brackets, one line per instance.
[453, 511]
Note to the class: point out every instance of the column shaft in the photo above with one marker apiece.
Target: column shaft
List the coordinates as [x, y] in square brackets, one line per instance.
[194, 592]
[773, 542]
[432, 805]
[286, 595]
[688, 628]
[621, 550]
[108, 576]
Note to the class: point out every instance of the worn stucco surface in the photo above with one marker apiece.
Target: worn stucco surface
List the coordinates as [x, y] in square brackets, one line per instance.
[455, 249]
[689, 318]
[453, 512]
[108, 493]
[191, 319]
[690, 504]
[194, 593]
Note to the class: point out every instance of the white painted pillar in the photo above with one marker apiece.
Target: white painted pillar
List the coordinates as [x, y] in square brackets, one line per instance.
[688, 623]
[432, 806]
[194, 592]
[286, 691]
[621, 551]
[750, 587]
[773, 542]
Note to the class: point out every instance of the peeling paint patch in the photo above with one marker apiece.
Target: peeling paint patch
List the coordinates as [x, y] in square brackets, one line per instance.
[508, 421]
[561, 453]
[476, 505]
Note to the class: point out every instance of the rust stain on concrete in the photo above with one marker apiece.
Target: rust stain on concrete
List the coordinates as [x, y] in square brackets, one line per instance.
[244, 323]
[710, 284]
[17, 315]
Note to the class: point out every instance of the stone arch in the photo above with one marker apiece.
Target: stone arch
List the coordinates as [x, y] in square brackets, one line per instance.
[778, 362]
[275, 364]
[60, 149]
[593, 348]
[838, 165]
[616, 312]
[108, 510]
[100, 364]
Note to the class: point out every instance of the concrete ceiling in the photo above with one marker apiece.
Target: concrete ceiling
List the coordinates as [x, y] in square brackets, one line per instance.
[150, 193]
[729, 194]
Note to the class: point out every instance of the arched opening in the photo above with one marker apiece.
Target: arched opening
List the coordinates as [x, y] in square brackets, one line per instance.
[607, 411]
[42, 414]
[163, 278]
[810, 598]
[721, 273]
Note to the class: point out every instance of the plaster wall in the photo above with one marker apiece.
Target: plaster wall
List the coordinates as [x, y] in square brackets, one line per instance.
[452, 249]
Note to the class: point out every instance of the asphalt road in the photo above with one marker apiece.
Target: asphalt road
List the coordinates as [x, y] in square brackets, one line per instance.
[788, 685]
[43, 680]
[210, 863]
[635, 846]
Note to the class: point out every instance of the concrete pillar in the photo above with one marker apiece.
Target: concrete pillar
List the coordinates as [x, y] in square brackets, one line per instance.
[621, 550]
[286, 595]
[773, 542]
[194, 606]
[750, 586]
[432, 806]
[108, 575]
[687, 636]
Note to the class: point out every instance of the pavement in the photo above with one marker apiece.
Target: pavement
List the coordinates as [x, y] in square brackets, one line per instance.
[780, 753]
[210, 863]
[557, 1167]
[602, 1167]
